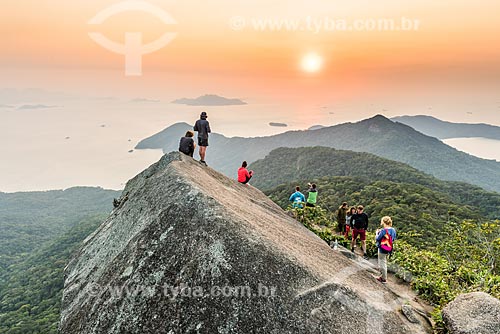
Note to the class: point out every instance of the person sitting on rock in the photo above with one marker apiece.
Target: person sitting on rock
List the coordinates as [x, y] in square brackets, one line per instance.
[243, 174]
[297, 198]
[187, 144]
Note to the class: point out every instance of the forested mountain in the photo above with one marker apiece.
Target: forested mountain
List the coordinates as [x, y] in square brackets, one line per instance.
[434, 127]
[39, 232]
[310, 163]
[31, 291]
[377, 135]
[29, 219]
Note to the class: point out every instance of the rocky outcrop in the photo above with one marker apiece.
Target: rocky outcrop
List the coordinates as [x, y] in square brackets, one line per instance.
[473, 313]
[192, 251]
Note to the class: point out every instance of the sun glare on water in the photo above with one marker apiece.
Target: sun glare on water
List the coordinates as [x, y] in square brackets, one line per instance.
[312, 63]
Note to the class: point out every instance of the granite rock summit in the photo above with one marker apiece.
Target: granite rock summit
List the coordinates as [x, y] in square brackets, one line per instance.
[189, 250]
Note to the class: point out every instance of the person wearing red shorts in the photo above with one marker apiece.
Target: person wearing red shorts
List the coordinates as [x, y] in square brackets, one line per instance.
[359, 224]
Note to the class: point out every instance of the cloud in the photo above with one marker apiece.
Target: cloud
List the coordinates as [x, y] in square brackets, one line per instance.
[18, 96]
[35, 106]
[142, 100]
[5, 106]
[210, 100]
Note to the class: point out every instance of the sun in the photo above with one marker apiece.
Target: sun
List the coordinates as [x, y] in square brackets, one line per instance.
[312, 63]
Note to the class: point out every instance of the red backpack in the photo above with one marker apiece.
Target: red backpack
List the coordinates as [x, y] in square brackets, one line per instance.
[386, 242]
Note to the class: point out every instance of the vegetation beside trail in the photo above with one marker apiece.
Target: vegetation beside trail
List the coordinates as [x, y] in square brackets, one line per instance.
[467, 260]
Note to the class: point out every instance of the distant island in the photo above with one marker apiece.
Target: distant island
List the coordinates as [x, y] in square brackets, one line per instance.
[279, 125]
[210, 100]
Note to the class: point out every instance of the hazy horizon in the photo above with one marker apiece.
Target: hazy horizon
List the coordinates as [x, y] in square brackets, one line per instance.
[303, 64]
[50, 151]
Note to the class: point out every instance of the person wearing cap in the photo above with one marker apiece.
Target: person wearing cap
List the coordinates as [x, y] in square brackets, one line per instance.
[203, 128]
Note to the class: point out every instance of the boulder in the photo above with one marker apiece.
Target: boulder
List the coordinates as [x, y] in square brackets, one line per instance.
[473, 313]
[192, 251]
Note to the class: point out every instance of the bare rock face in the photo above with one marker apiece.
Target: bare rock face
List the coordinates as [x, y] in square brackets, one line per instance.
[188, 250]
[473, 313]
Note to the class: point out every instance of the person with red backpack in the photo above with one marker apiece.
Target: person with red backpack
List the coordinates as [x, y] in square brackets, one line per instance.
[385, 242]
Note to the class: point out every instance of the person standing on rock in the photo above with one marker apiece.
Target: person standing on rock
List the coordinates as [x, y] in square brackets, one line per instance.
[342, 218]
[359, 224]
[243, 174]
[187, 144]
[312, 196]
[297, 198]
[203, 128]
[385, 242]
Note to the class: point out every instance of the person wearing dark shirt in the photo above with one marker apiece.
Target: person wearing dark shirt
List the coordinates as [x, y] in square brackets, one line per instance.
[342, 217]
[187, 144]
[243, 174]
[203, 128]
[359, 224]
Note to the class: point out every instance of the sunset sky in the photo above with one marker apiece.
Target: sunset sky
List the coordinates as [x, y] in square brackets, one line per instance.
[454, 55]
[282, 57]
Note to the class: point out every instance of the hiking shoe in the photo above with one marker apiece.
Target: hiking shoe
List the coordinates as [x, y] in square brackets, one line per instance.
[366, 257]
[381, 280]
[203, 163]
[352, 250]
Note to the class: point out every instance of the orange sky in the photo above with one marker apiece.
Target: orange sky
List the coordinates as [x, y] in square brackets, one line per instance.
[456, 50]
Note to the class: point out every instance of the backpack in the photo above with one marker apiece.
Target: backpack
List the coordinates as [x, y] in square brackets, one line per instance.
[387, 243]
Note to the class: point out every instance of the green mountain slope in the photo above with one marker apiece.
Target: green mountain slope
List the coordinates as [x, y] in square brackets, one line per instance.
[31, 292]
[414, 208]
[443, 130]
[285, 164]
[30, 219]
[377, 135]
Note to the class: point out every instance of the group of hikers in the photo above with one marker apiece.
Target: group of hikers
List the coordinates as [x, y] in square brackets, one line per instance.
[187, 146]
[350, 220]
[354, 221]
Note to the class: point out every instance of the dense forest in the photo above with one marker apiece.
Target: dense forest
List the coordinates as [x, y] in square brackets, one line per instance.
[31, 292]
[30, 219]
[40, 231]
[448, 237]
[285, 166]
[447, 247]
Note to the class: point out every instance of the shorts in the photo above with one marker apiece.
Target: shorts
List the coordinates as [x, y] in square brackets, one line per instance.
[361, 233]
[202, 142]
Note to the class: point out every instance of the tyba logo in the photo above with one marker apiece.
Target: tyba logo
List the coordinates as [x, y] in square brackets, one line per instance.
[133, 49]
